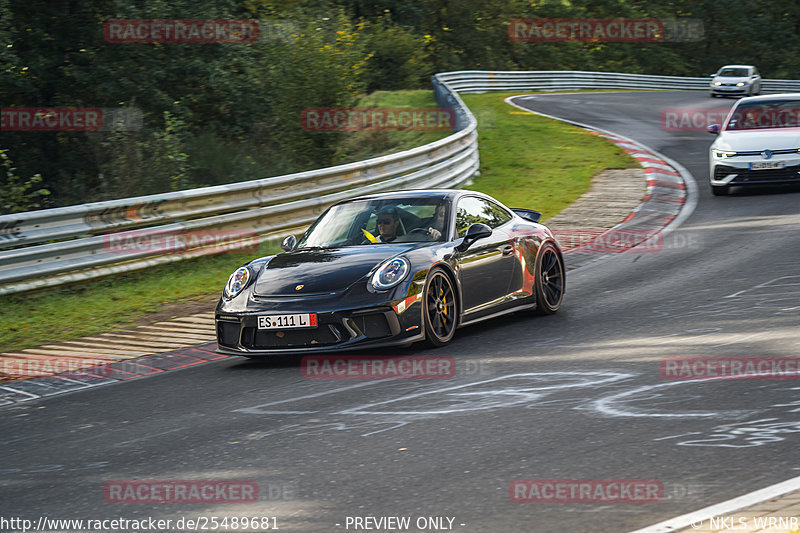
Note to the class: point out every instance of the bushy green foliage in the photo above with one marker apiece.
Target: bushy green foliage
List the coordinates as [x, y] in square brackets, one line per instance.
[226, 112]
[18, 195]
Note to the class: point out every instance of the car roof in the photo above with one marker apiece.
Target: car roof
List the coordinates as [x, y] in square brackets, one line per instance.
[419, 193]
[437, 194]
[736, 66]
[771, 97]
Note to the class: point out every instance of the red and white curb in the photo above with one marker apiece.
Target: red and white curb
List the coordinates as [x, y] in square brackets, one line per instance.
[670, 198]
[148, 365]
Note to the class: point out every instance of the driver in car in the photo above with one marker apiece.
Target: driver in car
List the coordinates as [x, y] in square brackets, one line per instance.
[388, 222]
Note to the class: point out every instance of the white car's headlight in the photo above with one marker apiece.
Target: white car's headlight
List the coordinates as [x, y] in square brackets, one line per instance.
[237, 282]
[722, 154]
[740, 84]
[390, 273]
[717, 83]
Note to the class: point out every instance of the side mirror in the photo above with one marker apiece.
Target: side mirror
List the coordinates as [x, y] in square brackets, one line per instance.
[474, 232]
[714, 128]
[289, 243]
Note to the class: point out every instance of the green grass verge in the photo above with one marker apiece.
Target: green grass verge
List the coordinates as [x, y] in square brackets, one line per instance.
[535, 162]
[526, 161]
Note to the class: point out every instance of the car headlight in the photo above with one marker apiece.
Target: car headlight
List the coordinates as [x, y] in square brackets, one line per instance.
[722, 154]
[717, 83]
[740, 84]
[237, 282]
[390, 273]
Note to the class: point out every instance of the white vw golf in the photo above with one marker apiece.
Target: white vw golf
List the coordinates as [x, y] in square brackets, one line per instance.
[758, 144]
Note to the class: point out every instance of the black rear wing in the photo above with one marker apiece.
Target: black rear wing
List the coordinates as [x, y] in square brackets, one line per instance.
[528, 214]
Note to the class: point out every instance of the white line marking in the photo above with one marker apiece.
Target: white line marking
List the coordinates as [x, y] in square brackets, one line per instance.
[257, 409]
[32, 396]
[524, 393]
[608, 405]
[146, 437]
[735, 504]
[681, 435]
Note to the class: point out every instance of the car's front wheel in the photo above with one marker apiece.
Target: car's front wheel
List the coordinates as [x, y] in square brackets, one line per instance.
[440, 310]
[549, 280]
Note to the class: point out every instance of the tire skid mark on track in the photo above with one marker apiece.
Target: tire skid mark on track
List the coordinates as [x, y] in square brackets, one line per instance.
[609, 393]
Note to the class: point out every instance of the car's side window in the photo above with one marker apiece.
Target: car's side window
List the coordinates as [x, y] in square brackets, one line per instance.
[500, 215]
[472, 209]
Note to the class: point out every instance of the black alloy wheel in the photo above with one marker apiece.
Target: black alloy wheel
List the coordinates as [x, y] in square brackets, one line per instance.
[549, 280]
[440, 309]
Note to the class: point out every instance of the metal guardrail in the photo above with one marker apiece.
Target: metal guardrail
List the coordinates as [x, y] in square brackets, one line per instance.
[478, 81]
[263, 208]
[267, 206]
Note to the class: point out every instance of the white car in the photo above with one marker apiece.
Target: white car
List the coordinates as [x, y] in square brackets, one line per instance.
[758, 144]
[736, 80]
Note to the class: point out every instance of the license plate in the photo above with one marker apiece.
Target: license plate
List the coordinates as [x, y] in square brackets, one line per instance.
[762, 165]
[305, 320]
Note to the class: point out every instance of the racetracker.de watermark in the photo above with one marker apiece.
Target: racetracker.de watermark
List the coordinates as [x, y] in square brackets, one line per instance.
[361, 367]
[599, 240]
[46, 119]
[180, 31]
[148, 242]
[690, 368]
[673, 119]
[586, 490]
[619, 30]
[377, 119]
[586, 30]
[180, 492]
[65, 367]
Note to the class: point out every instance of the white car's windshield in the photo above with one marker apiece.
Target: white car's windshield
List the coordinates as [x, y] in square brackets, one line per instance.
[765, 114]
[377, 221]
[734, 73]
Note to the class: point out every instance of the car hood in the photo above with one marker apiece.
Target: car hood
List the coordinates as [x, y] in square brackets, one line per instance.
[757, 140]
[320, 270]
[731, 79]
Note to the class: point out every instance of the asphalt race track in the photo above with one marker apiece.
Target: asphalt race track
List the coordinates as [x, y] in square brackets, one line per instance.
[574, 396]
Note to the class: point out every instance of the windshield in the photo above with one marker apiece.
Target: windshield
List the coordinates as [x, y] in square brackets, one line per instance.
[734, 72]
[379, 221]
[765, 114]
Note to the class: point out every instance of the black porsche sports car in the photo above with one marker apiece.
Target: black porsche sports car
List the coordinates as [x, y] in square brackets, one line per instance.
[392, 269]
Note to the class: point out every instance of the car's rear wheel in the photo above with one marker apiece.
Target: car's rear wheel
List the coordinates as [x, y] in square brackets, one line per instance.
[440, 310]
[549, 280]
[720, 190]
